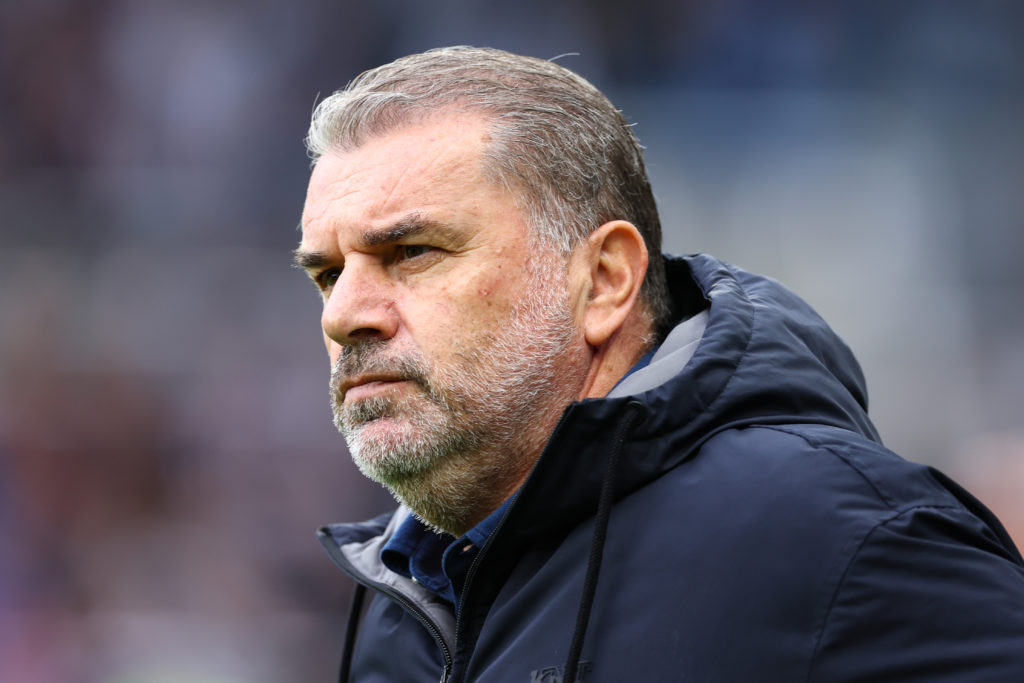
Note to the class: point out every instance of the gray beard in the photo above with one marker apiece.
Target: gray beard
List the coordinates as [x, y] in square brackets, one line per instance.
[454, 448]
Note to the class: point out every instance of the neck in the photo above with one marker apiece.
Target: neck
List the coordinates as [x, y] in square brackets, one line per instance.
[612, 360]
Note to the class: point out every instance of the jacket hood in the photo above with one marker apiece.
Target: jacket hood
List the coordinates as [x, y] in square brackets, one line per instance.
[765, 357]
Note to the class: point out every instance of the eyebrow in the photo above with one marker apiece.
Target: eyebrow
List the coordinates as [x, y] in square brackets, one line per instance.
[308, 260]
[408, 226]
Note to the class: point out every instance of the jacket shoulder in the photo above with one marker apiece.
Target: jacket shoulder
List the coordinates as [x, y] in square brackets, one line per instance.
[930, 594]
[858, 464]
[837, 475]
[923, 582]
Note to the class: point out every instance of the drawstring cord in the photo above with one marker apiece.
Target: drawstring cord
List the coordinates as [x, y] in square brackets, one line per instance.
[350, 632]
[604, 508]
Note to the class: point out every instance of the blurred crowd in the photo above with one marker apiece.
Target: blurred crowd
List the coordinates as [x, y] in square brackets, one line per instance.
[166, 451]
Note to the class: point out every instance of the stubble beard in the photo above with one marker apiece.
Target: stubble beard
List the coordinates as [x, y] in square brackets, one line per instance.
[470, 430]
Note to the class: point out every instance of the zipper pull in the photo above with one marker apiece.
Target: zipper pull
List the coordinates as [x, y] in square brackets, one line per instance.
[444, 674]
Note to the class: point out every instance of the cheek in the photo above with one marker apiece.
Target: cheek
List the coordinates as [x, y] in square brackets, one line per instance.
[457, 320]
[455, 315]
[489, 301]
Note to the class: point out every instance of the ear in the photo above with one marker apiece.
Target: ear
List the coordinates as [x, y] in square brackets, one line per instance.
[617, 261]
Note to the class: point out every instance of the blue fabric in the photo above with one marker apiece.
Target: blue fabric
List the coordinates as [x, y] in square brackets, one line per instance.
[415, 552]
[438, 562]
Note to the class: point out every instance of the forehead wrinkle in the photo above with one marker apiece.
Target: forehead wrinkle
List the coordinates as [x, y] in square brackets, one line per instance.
[448, 161]
[353, 177]
[324, 190]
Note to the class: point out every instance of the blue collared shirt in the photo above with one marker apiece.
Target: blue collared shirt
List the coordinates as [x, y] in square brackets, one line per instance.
[438, 562]
[441, 562]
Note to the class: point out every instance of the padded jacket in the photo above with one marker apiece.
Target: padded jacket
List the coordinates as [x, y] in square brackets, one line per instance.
[727, 514]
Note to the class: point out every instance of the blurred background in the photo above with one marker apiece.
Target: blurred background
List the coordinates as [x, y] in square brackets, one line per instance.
[166, 451]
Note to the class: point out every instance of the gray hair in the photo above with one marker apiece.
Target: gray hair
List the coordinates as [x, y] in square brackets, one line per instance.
[558, 145]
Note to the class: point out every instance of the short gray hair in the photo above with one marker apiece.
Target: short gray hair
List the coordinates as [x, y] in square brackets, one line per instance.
[557, 143]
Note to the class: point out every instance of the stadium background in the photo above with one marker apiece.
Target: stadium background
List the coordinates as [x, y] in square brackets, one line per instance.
[166, 451]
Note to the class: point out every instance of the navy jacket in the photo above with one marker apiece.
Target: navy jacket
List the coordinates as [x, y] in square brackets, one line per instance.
[756, 530]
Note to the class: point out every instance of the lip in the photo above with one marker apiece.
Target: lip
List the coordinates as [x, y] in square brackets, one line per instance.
[367, 385]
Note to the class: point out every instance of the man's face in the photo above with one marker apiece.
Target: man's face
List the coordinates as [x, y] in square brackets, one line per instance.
[451, 337]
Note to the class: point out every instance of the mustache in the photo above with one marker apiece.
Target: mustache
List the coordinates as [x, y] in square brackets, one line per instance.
[372, 357]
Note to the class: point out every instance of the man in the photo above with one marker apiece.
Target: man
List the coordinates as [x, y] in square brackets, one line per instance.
[612, 465]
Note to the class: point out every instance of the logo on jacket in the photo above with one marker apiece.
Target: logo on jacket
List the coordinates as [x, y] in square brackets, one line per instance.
[553, 674]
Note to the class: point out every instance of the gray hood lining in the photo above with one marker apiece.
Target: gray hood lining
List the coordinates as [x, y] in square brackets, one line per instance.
[668, 361]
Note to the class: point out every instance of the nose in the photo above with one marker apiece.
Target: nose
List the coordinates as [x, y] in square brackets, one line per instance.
[359, 307]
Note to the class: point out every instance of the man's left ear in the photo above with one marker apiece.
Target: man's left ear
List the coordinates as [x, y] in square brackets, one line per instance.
[617, 258]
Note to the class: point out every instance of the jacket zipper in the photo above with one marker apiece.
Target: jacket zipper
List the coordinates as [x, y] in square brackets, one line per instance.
[487, 544]
[472, 572]
[409, 606]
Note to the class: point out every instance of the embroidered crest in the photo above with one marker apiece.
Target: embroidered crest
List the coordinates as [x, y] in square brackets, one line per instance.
[553, 674]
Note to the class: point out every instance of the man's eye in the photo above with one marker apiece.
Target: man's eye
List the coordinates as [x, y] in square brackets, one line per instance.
[326, 279]
[409, 251]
